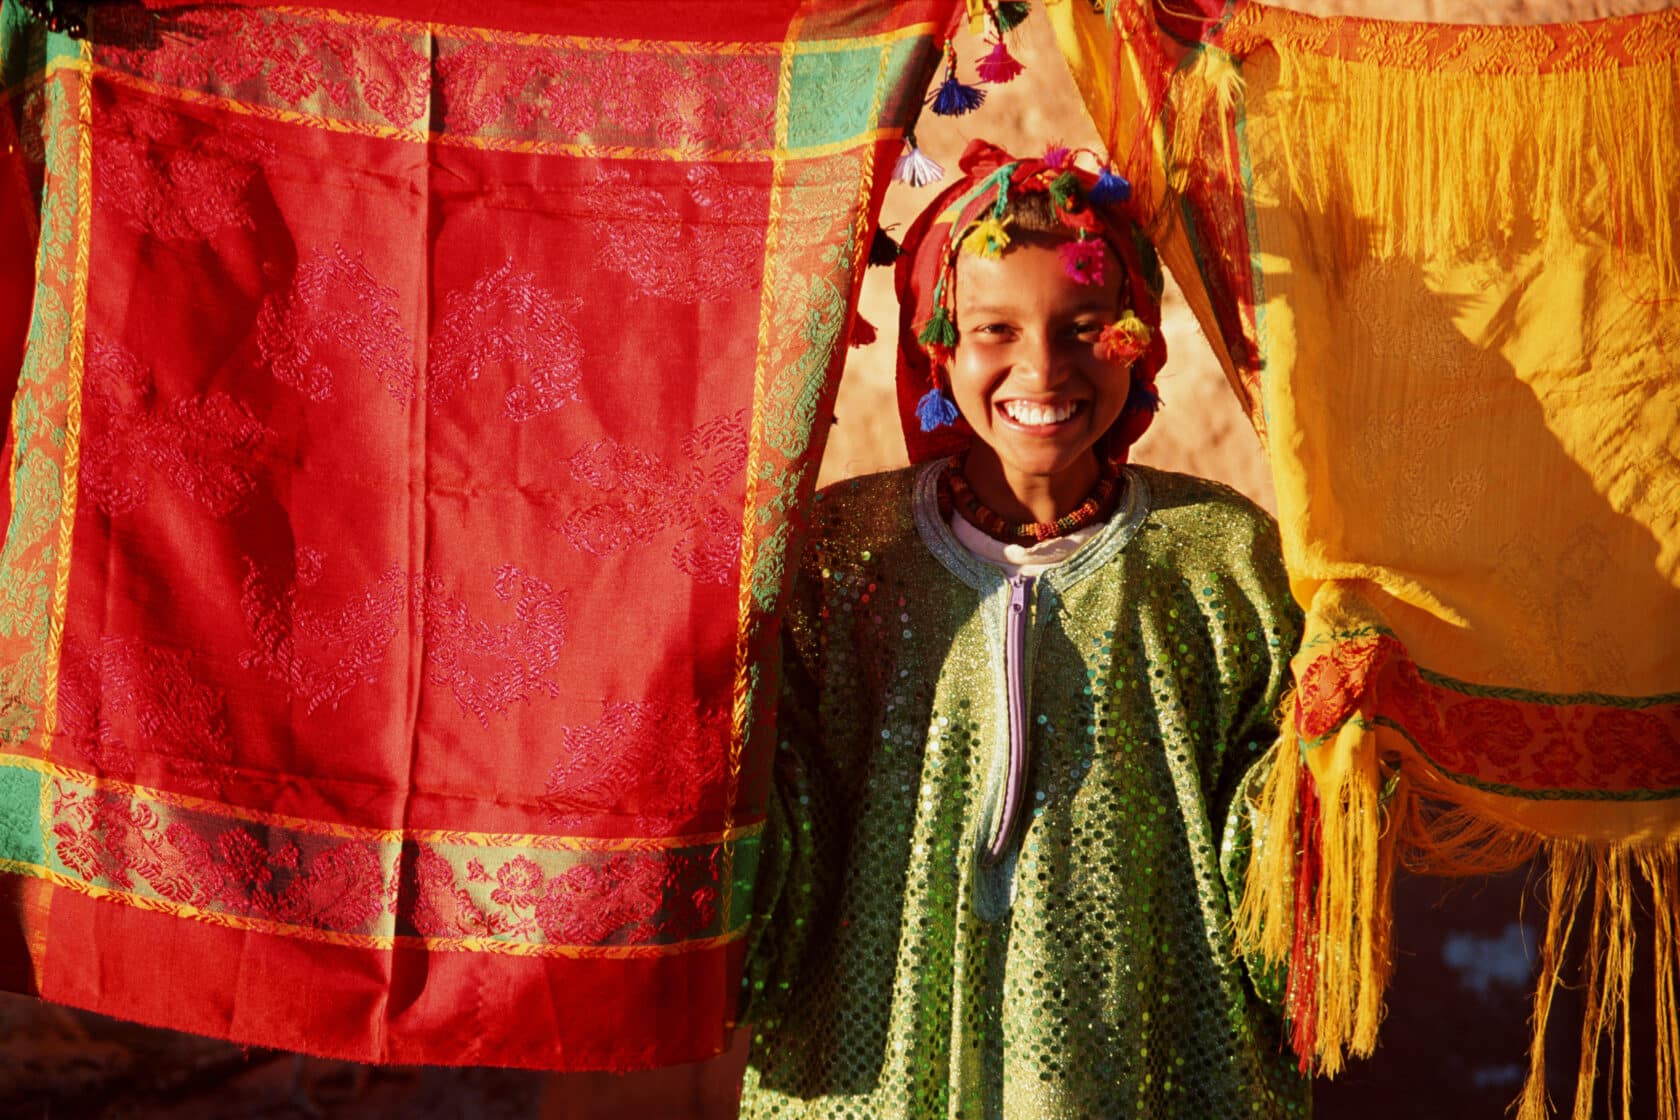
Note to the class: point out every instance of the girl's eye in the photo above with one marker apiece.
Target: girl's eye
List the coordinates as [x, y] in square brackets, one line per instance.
[1089, 330]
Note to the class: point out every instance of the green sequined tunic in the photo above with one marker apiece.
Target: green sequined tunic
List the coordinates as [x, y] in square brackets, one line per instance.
[1090, 972]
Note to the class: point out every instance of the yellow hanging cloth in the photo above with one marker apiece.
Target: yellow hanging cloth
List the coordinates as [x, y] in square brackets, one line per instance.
[1440, 267]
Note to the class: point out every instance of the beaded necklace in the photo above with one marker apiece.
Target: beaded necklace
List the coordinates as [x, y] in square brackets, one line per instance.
[956, 494]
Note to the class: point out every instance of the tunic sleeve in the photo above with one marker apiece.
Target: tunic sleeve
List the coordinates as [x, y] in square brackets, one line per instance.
[1252, 742]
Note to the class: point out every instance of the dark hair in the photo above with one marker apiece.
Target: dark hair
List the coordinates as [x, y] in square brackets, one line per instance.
[1033, 214]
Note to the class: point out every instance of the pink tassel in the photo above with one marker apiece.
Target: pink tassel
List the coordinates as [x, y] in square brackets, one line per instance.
[999, 66]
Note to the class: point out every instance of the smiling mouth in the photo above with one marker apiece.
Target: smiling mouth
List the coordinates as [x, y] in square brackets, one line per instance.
[1031, 415]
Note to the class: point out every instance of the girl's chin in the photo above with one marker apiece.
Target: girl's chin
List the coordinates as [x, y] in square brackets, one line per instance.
[1074, 468]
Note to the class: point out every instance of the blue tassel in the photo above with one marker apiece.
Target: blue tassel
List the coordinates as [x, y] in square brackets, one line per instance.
[935, 410]
[1140, 398]
[1110, 188]
[953, 99]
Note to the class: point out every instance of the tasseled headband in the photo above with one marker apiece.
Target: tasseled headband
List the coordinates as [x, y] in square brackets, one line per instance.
[969, 216]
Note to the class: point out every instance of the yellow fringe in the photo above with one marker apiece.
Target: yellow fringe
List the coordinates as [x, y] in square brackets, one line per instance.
[1355, 899]
[1361, 835]
[1612, 873]
[1423, 164]
[1662, 872]
[1265, 913]
[1357, 851]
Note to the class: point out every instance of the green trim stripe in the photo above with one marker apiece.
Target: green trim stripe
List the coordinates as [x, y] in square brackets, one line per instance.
[1554, 699]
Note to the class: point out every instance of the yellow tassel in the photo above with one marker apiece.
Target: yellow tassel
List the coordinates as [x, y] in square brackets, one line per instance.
[1355, 896]
[987, 237]
[1350, 947]
[1265, 914]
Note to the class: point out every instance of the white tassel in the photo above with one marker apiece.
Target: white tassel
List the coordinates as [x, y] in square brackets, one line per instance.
[917, 169]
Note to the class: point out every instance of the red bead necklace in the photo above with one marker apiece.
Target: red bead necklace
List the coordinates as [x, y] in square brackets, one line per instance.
[955, 493]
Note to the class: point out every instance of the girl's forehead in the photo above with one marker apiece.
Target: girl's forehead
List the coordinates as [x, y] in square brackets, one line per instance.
[1034, 276]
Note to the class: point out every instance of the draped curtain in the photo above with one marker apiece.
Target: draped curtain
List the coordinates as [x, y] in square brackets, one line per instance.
[409, 423]
[1440, 267]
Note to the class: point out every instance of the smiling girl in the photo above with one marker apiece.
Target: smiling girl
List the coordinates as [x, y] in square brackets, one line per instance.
[1024, 686]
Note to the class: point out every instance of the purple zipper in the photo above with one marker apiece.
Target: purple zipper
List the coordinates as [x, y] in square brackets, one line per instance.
[1015, 673]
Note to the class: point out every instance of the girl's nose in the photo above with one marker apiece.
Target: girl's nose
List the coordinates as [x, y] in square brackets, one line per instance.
[1039, 362]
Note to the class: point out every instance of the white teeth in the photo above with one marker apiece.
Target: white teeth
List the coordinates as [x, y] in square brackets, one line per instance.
[1036, 415]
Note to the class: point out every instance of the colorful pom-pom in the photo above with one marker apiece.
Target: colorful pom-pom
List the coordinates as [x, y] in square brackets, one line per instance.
[953, 99]
[863, 332]
[1008, 14]
[935, 410]
[1125, 340]
[939, 331]
[1064, 189]
[883, 250]
[999, 66]
[916, 168]
[1082, 260]
[1110, 188]
[988, 237]
[1057, 157]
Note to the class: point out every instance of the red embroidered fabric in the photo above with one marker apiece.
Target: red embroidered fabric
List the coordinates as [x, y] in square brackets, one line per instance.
[410, 425]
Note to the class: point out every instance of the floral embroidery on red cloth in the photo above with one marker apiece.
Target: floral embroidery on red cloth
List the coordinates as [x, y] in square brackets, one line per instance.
[171, 179]
[657, 764]
[688, 100]
[506, 318]
[1490, 736]
[1537, 746]
[121, 841]
[502, 86]
[701, 242]
[208, 445]
[621, 898]
[125, 700]
[489, 667]
[129, 842]
[333, 311]
[320, 653]
[648, 498]
[1336, 681]
[304, 62]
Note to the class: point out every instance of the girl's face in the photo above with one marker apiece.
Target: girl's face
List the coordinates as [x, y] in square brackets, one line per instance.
[1026, 376]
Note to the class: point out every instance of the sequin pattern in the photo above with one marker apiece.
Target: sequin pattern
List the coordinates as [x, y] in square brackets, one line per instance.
[1108, 984]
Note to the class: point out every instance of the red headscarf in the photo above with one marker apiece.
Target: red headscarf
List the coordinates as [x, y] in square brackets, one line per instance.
[925, 278]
